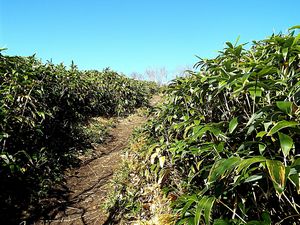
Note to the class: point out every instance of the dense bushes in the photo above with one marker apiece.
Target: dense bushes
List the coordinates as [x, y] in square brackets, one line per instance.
[40, 108]
[227, 138]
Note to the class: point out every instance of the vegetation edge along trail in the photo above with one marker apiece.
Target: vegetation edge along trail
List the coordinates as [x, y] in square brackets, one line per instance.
[224, 147]
[88, 185]
[44, 110]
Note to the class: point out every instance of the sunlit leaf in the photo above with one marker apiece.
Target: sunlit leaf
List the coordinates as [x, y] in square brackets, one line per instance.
[204, 208]
[296, 39]
[285, 106]
[294, 27]
[253, 178]
[222, 167]
[286, 143]
[285, 52]
[255, 92]
[233, 124]
[246, 163]
[162, 161]
[261, 134]
[281, 125]
[277, 174]
[254, 117]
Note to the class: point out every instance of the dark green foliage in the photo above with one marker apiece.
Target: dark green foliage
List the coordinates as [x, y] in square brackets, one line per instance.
[41, 106]
[230, 135]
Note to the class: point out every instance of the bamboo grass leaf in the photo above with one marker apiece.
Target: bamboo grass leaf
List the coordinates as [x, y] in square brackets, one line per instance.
[286, 143]
[233, 124]
[277, 172]
[281, 125]
[285, 106]
[204, 208]
[246, 163]
[294, 27]
[222, 167]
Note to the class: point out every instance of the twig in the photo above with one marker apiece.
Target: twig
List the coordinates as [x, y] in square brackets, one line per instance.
[232, 211]
[294, 207]
[287, 218]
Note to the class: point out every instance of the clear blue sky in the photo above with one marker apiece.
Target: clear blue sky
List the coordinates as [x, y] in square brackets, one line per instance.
[133, 35]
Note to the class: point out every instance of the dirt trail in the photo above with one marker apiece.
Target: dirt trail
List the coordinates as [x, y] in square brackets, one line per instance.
[88, 185]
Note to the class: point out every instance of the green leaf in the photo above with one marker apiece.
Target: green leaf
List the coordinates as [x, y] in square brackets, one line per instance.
[294, 175]
[267, 125]
[197, 122]
[187, 129]
[286, 143]
[246, 163]
[222, 167]
[285, 52]
[186, 207]
[280, 125]
[204, 207]
[198, 214]
[277, 174]
[254, 117]
[199, 131]
[229, 44]
[220, 146]
[237, 40]
[261, 148]
[267, 70]
[208, 209]
[6, 158]
[296, 39]
[255, 91]
[3, 135]
[233, 124]
[185, 118]
[261, 134]
[285, 106]
[294, 27]
[186, 221]
[3, 49]
[253, 178]
[221, 222]
[266, 218]
[153, 157]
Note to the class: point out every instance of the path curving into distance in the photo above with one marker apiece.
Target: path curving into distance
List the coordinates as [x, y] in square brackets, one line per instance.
[88, 185]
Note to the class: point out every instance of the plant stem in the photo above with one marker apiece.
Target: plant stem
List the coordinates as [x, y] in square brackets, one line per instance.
[232, 211]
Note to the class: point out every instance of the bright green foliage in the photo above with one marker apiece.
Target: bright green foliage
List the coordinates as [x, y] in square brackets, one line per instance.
[230, 135]
[41, 106]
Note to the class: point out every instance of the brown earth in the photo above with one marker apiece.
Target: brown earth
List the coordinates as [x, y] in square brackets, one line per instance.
[88, 185]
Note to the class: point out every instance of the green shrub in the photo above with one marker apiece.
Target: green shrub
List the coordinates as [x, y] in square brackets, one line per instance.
[41, 106]
[229, 134]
